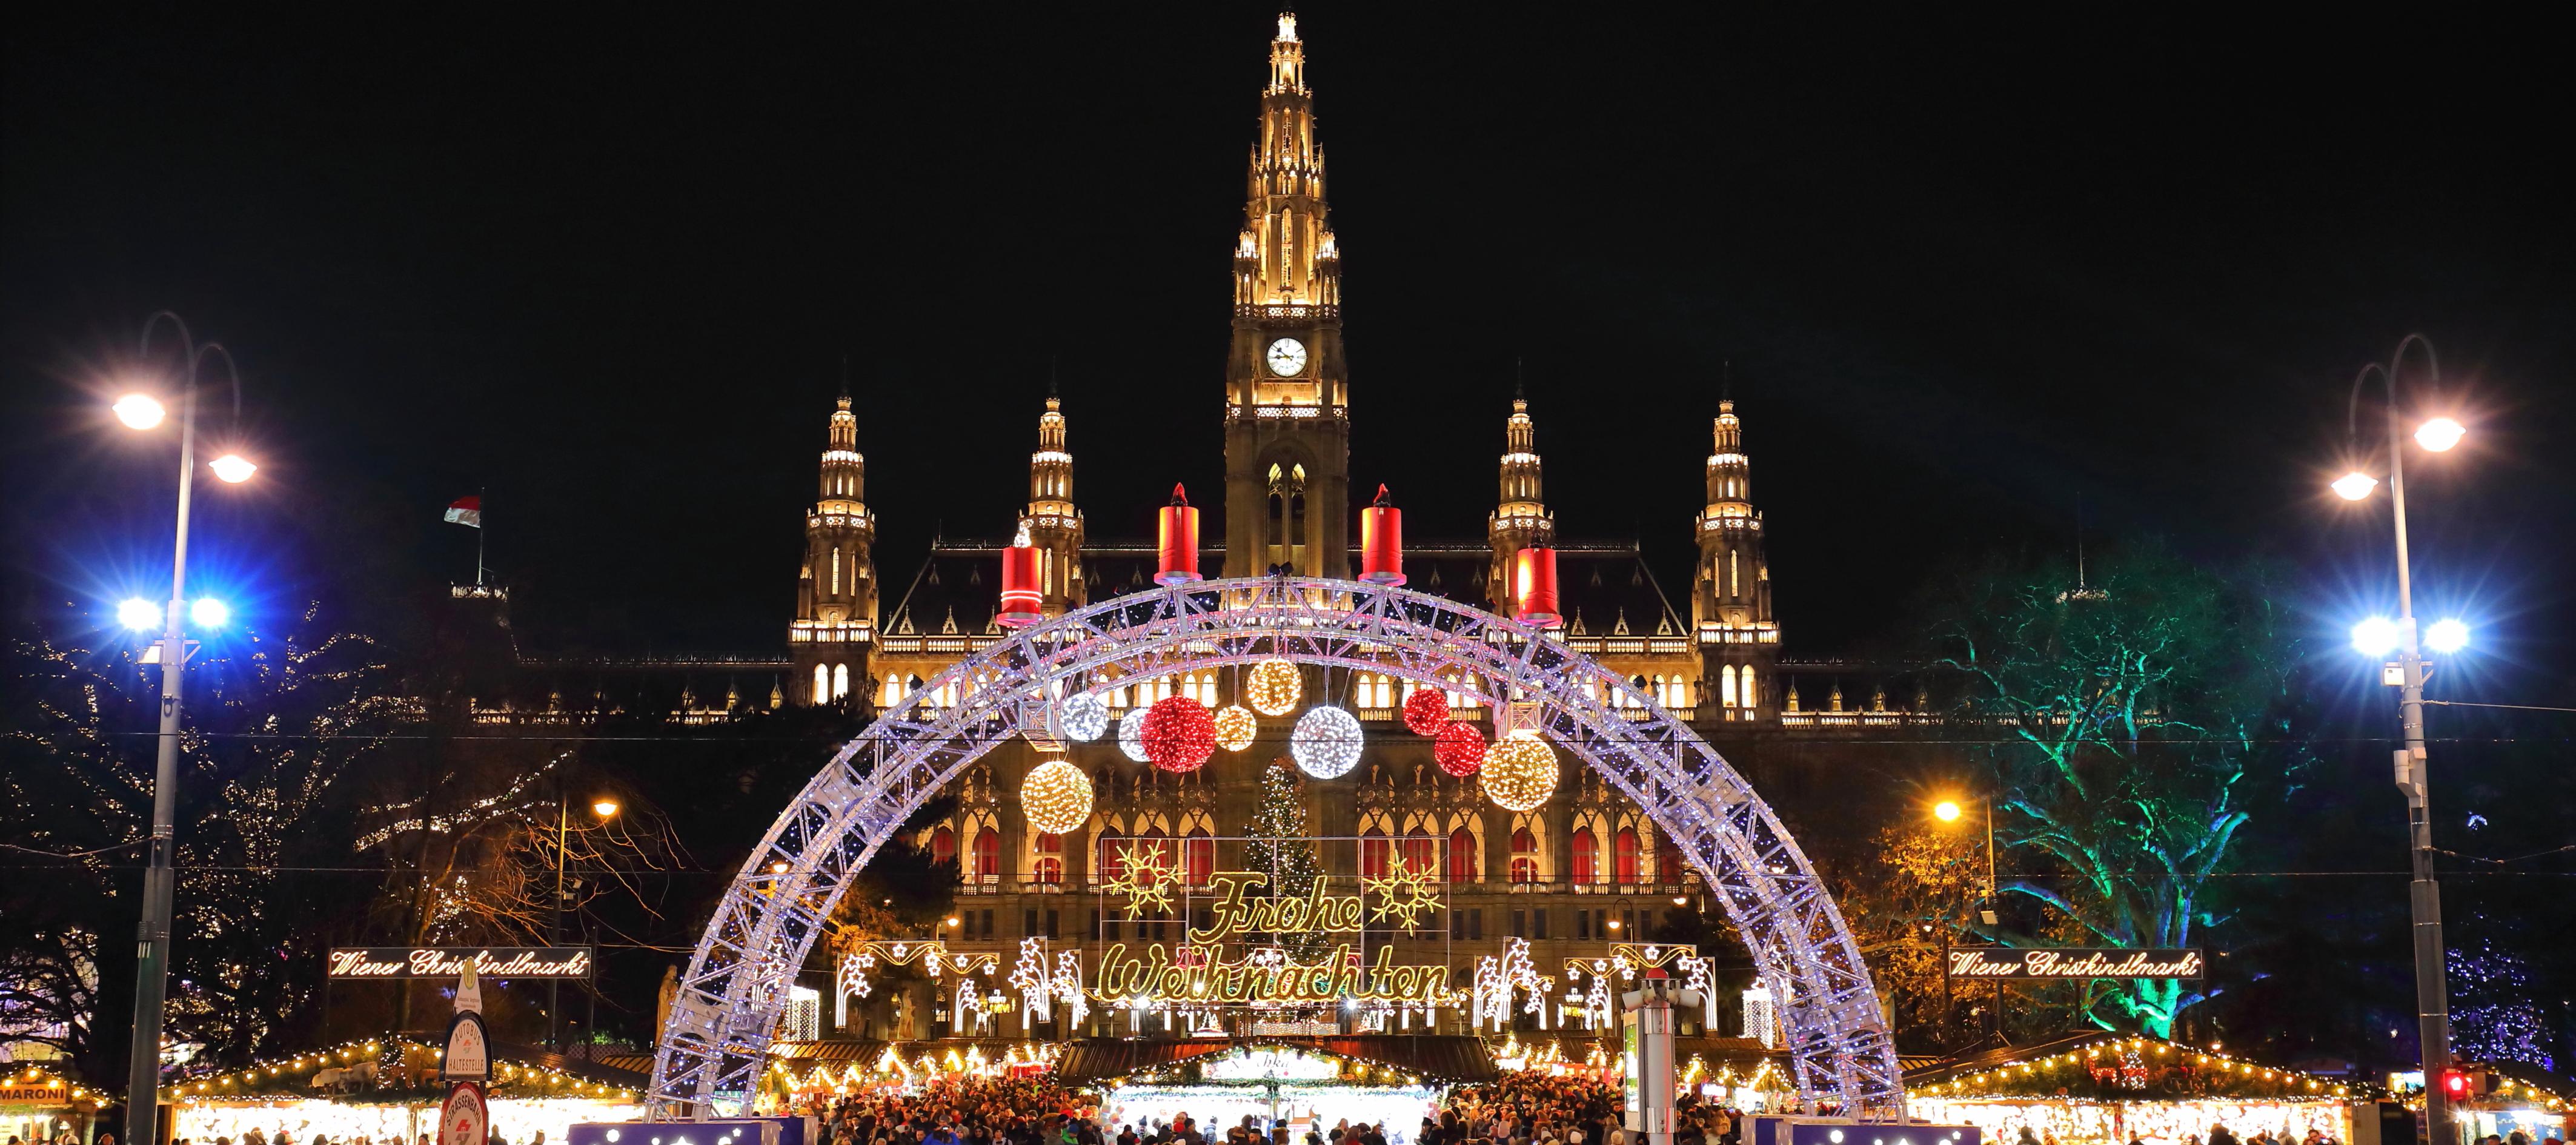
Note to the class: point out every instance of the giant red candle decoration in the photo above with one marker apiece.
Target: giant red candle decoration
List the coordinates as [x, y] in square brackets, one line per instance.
[1179, 542]
[1382, 541]
[1534, 588]
[1023, 603]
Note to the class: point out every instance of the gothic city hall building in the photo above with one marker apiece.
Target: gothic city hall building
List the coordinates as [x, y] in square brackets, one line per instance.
[1577, 876]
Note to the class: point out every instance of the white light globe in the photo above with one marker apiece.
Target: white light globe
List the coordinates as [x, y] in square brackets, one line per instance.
[2440, 434]
[137, 411]
[2376, 636]
[209, 612]
[1326, 742]
[233, 468]
[2354, 486]
[1131, 735]
[1082, 717]
[2447, 636]
[137, 613]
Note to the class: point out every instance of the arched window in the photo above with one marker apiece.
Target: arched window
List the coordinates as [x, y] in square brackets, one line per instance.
[1112, 851]
[840, 680]
[1726, 685]
[1747, 695]
[988, 855]
[1586, 850]
[1373, 849]
[1668, 861]
[893, 690]
[1524, 856]
[1050, 870]
[822, 687]
[1199, 852]
[1623, 855]
[943, 846]
[1462, 856]
[1418, 852]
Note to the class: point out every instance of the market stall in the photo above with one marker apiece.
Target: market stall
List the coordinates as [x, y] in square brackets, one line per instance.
[387, 1090]
[37, 1104]
[2113, 1089]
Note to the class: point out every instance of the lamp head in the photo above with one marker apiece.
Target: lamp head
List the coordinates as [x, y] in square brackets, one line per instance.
[2440, 434]
[137, 613]
[2447, 636]
[2375, 637]
[2354, 486]
[233, 468]
[1946, 811]
[605, 808]
[208, 612]
[138, 411]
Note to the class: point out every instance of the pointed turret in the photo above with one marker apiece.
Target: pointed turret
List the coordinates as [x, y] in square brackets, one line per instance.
[836, 594]
[1520, 519]
[1731, 592]
[1053, 524]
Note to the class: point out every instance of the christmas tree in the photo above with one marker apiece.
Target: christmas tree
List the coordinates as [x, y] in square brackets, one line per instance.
[1282, 847]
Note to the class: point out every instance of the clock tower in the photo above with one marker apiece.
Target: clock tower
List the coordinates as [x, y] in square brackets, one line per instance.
[1287, 414]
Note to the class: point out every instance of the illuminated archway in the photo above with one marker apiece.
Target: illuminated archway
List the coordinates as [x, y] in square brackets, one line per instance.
[736, 985]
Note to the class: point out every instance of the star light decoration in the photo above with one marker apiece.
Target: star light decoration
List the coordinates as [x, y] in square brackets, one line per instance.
[1146, 876]
[1273, 687]
[1082, 717]
[1405, 893]
[1235, 727]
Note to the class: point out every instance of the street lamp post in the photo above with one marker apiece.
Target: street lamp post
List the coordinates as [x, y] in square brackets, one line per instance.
[152, 937]
[2433, 1023]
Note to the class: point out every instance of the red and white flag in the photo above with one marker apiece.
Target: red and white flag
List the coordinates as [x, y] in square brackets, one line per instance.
[466, 511]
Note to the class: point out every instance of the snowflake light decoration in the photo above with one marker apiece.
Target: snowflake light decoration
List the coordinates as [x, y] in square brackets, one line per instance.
[1405, 893]
[1146, 876]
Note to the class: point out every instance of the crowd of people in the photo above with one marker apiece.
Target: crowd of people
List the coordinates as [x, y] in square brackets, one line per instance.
[968, 1111]
[1533, 1108]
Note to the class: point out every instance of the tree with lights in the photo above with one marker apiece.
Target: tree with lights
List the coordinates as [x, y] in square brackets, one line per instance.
[2495, 1015]
[1282, 846]
[2138, 721]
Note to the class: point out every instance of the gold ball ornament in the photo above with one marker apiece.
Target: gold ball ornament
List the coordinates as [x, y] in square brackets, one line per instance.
[1519, 773]
[1235, 727]
[1056, 797]
[1273, 687]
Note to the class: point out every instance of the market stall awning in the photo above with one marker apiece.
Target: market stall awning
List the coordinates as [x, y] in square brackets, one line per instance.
[2124, 1067]
[1447, 1058]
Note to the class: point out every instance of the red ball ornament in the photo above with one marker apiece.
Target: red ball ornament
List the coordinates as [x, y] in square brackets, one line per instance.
[1179, 734]
[1459, 749]
[1426, 711]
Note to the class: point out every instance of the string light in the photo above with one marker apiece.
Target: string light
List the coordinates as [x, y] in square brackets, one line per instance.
[1056, 797]
[1326, 742]
[1179, 734]
[1235, 727]
[1082, 717]
[1131, 735]
[1273, 687]
[1459, 748]
[1519, 773]
[1426, 712]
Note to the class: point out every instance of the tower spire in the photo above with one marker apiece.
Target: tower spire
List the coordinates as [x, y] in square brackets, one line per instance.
[1520, 519]
[836, 592]
[1052, 523]
[1731, 591]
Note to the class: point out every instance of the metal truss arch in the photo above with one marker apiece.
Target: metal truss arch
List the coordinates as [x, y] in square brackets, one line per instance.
[730, 998]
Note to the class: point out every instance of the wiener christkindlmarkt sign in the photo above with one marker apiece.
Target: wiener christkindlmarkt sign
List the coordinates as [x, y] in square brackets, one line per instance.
[449, 962]
[1999, 964]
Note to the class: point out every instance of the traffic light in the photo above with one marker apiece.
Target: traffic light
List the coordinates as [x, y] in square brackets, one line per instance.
[2455, 1085]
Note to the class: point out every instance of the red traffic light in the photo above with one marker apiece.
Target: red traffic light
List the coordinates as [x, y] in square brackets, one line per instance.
[2455, 1085]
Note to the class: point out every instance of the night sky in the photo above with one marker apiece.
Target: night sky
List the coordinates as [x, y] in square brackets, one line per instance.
[1968, 268]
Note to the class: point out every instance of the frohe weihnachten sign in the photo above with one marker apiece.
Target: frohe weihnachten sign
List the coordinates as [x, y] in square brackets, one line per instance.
[2001, 964]
[443, 962]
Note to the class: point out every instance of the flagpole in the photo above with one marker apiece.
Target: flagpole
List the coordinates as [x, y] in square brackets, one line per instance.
[479, 493]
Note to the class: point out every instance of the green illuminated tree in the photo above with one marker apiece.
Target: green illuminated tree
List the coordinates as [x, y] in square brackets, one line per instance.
[1282, 845]
[2134, 725]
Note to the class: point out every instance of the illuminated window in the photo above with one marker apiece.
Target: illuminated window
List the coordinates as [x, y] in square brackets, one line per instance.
[1418, 852]
[1586, 850]
[988, 854]
[1050, 869]
[1113, 861]
[893, 689]
[1734, 575]
[840, 680]
[1373, 852]
[1199, 853]
[1623, 855]
[1462, 856]
[822, 682]
[943, 846]
[1524, 857]
[1668, 861]
[1726, 685]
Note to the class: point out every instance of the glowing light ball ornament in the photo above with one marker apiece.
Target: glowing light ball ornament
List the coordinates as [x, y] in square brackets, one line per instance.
[1426, 711]
[1056, 797]
[1235, 727]
[1131, 735]
[1459, 749]
[1519, 773]
[1179, 734]
[1273, 688]
[1326, 743]
[1082, 717]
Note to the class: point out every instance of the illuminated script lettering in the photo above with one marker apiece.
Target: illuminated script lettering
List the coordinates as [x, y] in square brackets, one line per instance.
[1206, 977]
[1237, 913]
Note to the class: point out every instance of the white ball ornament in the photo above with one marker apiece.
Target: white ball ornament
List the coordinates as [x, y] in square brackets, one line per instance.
[1082, 717]
[1131, 734]
[1326, 742]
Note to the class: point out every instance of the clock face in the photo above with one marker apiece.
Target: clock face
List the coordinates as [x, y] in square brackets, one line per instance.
[1287, 357]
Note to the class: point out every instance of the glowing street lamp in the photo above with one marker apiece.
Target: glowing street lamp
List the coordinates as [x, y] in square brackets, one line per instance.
[2447, 636]
[2439, 434]
[2354, 486]
[233, 468]
[137, 613]
[1946, 811]
[605, 808]
[138, 411]
[208, 612]
[2376, 637]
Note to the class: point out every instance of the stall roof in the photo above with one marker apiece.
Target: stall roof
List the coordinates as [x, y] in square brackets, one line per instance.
[295, 1074]
[1444, 1057]
[2097, 1063]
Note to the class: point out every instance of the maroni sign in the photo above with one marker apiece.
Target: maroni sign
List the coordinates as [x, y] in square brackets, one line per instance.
[1998, 964]
[367, 962]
